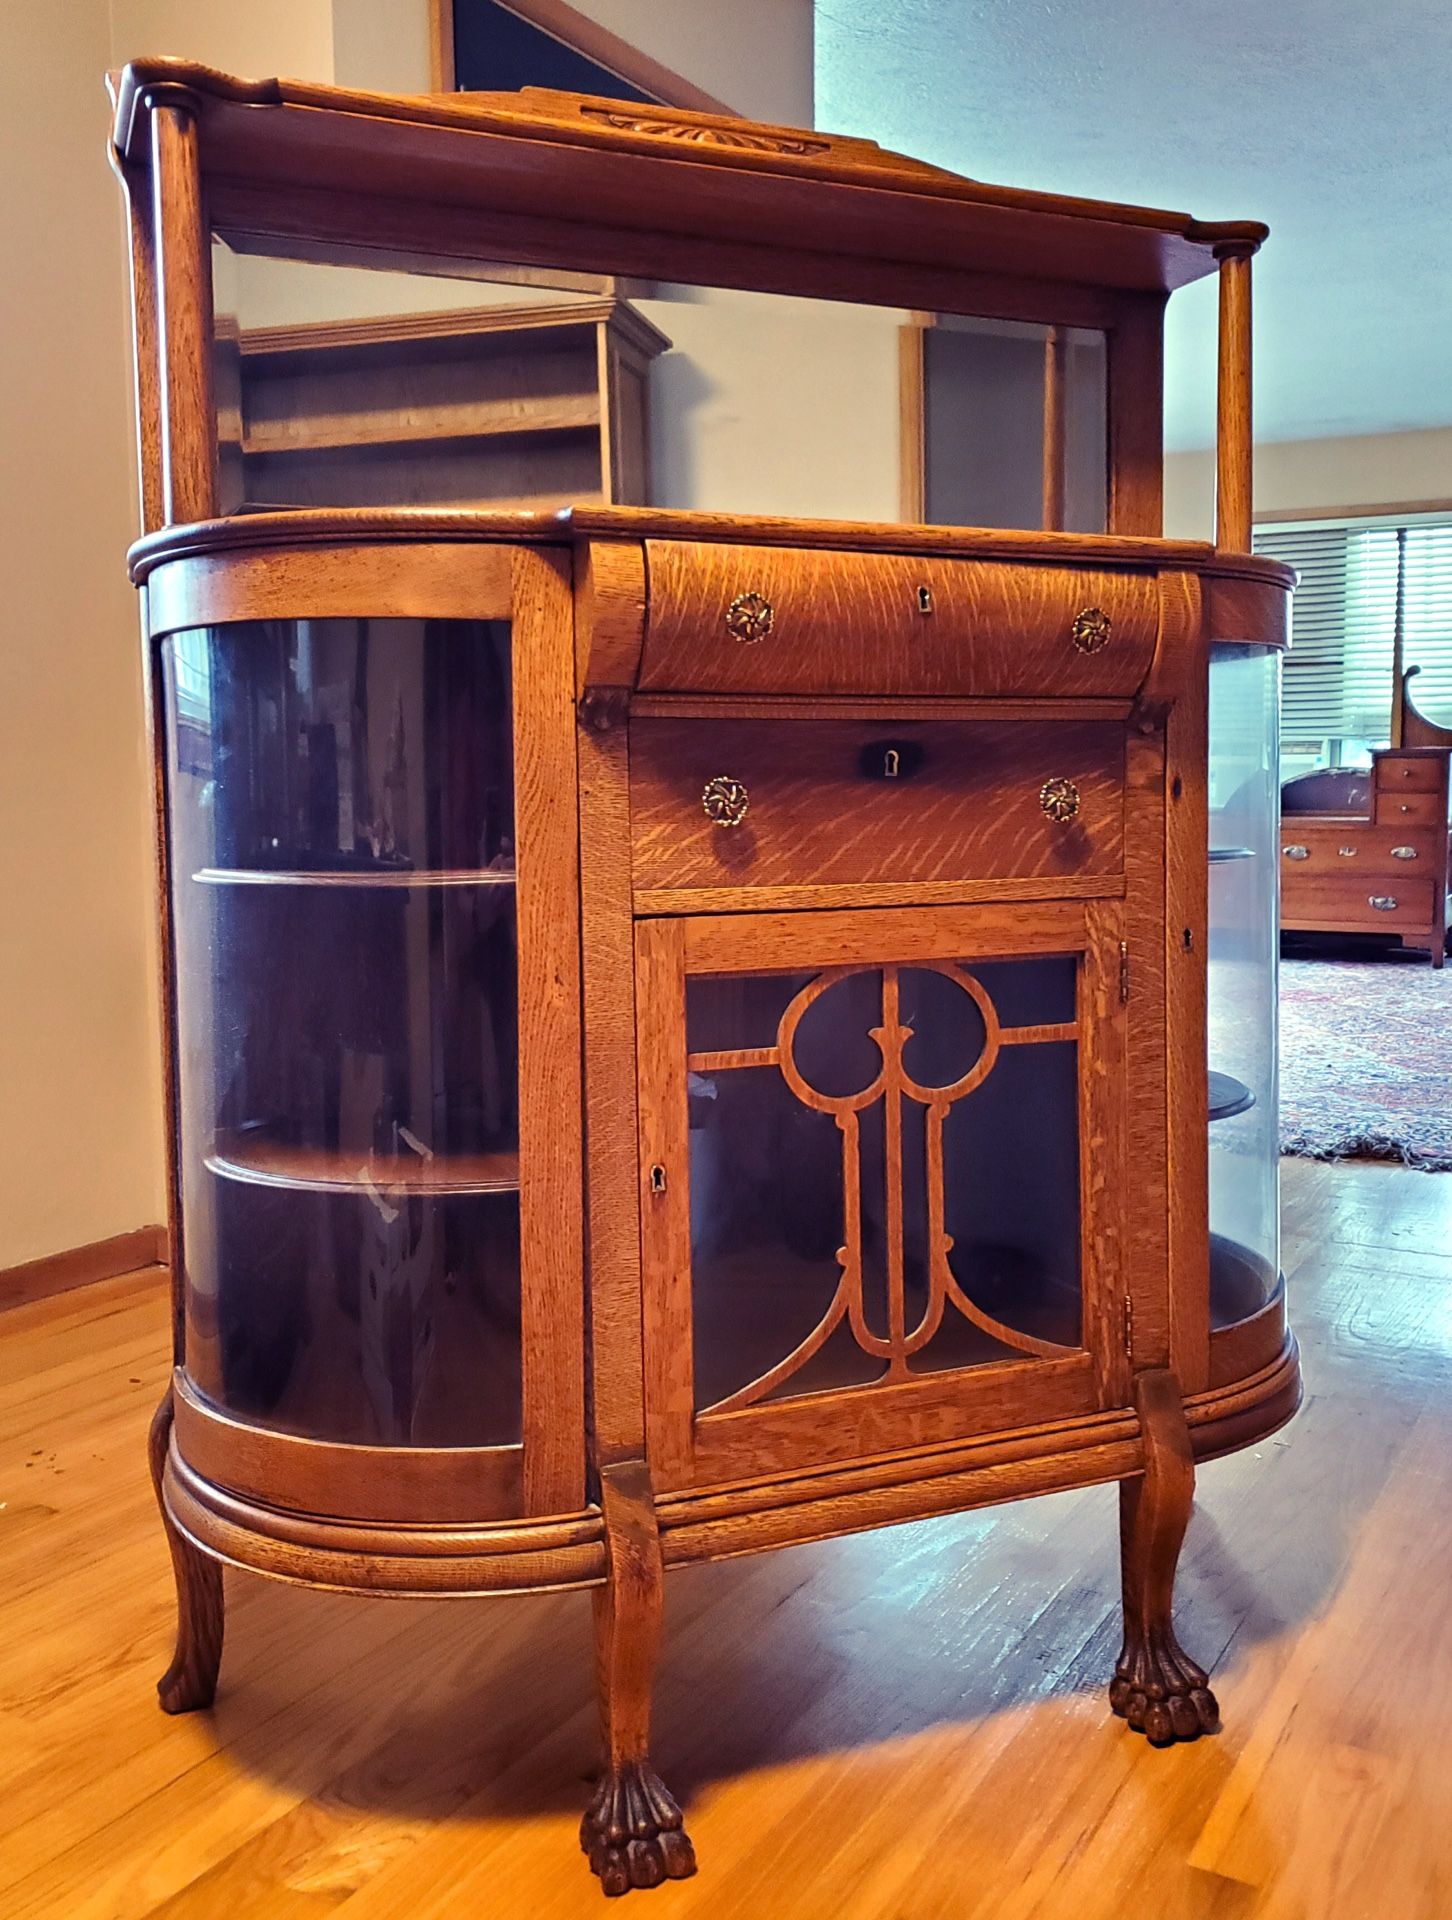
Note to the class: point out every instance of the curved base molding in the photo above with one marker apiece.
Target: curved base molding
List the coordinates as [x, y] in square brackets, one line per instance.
[537, 1555]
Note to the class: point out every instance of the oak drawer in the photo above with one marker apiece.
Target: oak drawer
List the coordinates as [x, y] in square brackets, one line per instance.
[1412, 808]
[728, 619]
[1395, 774]
[1356, 847]
[1331, 902]
[823, 806]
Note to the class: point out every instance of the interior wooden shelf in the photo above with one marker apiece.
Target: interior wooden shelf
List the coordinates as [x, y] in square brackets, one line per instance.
[1228, 1095]
[257, 1160]
[383, 439]
[402, 877]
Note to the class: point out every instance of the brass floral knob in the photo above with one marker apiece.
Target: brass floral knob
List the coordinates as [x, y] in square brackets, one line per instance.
[1059, 800]
[749, 617]
[724, 801]
[1090, 630]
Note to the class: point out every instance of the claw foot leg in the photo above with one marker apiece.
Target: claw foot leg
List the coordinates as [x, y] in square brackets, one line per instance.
[1157, 1688]
[633, 1834]
[190, 1681]
[632, 1831]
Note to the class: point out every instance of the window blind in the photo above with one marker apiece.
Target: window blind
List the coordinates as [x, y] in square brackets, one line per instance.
[1358, 579]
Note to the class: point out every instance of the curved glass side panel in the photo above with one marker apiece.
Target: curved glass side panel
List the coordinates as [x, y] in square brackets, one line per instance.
[1244, 942]
[342, 853]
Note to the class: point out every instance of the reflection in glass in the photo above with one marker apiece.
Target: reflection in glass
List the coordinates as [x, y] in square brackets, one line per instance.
[884, 1179]
[1244, 944]
[464, 384]
[342, 851]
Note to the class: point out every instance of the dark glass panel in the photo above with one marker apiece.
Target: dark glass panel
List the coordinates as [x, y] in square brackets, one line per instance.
[378, 1316]
[766, 1224]
[1011, 1198]
[342, 842]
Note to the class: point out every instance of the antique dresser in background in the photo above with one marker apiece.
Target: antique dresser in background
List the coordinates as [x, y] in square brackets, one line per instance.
[713, 1023]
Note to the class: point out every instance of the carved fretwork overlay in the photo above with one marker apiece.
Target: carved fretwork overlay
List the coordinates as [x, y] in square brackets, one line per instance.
[892, 1084]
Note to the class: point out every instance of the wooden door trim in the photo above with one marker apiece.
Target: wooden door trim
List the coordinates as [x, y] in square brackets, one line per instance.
[551, 1151]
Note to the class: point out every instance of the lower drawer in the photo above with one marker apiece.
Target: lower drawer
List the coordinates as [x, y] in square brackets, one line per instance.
[1387, 906]
[832, 802]
[1409, 809]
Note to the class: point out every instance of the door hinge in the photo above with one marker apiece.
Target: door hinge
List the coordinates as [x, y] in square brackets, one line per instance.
[1129, 1325]
[1123, 973]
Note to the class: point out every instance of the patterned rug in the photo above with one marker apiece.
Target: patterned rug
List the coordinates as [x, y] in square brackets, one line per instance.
[1366, 1060]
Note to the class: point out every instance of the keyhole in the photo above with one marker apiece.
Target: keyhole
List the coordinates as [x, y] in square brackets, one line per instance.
[657, 1179]
[925, 599]
[891, 764]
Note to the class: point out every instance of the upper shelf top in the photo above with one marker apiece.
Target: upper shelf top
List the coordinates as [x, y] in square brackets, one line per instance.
[640, 186]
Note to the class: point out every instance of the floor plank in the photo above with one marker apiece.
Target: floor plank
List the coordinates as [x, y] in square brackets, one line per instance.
[905, 1726]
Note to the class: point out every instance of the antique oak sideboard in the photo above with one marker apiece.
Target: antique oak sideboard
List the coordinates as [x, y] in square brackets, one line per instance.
[686, 1031]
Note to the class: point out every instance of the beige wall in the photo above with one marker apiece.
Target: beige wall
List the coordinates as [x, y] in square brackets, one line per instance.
[255, 38]
[1367, 471]
[79, 1135]
[755, 55]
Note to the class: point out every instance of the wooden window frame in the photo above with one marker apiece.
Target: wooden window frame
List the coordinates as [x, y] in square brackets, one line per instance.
[583, 36]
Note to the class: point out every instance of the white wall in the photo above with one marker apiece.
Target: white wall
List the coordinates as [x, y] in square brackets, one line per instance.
[754, 55]
[257, 39]
[1365, 472]
[80, 1141]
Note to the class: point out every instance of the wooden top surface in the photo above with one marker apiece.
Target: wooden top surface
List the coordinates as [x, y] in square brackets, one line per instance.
[620, 165]
[570, 525]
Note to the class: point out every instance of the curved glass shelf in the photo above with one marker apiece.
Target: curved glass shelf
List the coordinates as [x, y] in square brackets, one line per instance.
[1219, 854]
[386, 877]
[1228, 1095]
[259, 1161]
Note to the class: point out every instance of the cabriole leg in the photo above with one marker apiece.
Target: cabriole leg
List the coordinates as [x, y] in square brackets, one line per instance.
[632, 1828]
[1157, 1688]
[191, 1679]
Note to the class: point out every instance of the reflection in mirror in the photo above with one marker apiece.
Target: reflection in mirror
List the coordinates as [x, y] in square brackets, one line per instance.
[355, 383]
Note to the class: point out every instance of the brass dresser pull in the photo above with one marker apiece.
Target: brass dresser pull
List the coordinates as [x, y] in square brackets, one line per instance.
[1383, 902]
[1090, 630]
[1404, 853]
[724, 801]
[1059, 800]
[1347, 853]
[750, 617]
[1296, 853]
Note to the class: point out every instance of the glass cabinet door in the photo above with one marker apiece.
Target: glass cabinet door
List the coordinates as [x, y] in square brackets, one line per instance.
[343, 910]
[876, 1179]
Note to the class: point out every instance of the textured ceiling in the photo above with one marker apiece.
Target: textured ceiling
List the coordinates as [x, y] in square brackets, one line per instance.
[1329, 119]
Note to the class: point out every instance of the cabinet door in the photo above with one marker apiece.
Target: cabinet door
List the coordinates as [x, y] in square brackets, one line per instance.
[881, 1172]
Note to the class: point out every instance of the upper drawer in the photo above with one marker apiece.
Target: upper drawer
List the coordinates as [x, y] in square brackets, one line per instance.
[1421, 775]
[784, 620]
[1413, 808]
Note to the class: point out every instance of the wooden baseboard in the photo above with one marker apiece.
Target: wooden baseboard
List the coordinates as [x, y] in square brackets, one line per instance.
[77, 1266]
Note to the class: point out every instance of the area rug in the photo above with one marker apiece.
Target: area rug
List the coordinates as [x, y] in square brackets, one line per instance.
[1366, 1060]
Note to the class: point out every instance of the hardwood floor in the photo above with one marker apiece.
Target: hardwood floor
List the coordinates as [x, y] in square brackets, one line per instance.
[903, 1725]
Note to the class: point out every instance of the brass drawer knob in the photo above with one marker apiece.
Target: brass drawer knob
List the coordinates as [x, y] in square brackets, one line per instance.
[750, 617]
[1404, 853]
[724, 801]
[1296, 853]
[1090, 630]
[1383, 902]
[1347, 853]
[1059, 800]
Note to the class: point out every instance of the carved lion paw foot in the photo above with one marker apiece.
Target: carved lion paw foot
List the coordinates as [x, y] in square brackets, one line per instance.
[1161, 1692]
[633, 1834]
[181, 1689]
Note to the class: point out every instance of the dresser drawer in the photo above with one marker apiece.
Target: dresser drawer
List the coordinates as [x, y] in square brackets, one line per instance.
[780, 620]
[835, 802]
[1356, 848]
[1323, 900]
[1412, 808]
[1395, 774]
